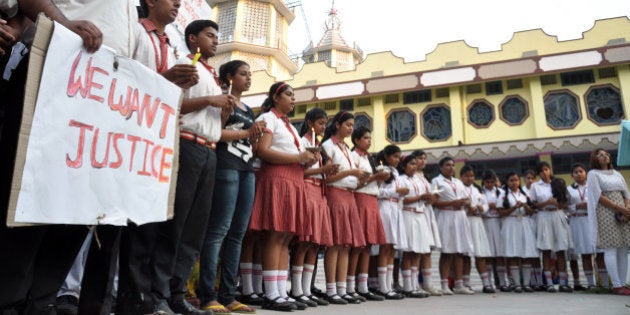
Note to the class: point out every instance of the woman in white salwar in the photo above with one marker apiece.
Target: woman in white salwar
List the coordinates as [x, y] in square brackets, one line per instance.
[608, 213]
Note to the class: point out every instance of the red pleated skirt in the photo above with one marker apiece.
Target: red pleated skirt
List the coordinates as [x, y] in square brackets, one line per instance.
[280, 199]
[370, 219]
[344, 218]
[317, 227]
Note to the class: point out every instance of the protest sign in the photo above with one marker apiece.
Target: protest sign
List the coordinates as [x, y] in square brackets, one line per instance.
[100, 145]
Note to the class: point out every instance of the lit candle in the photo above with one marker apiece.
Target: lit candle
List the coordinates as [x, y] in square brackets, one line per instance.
[197, 56]
[313, 131]
[230, 88]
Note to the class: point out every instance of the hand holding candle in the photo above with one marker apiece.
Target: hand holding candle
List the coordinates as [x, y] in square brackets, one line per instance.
[196, 58]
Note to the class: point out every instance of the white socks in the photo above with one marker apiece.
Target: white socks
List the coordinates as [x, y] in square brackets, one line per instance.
[307, 278]
[270, 277]
[406, 275]
[527, 274]
[350, 284]
[382, 279]
[246, 278]
[296, 280]
[363, 283]
[257, 278]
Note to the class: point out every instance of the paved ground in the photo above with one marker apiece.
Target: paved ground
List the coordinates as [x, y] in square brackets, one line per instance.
[486, 304]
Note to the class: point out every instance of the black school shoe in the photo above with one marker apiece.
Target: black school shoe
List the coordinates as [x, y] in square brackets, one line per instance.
[357, 296]
[350, 299]
[565, 289]
[371, 296]
[275, 305]
[181, 306]
[250, 299]
[335, 299]
[305, 300]
[320, 302]
[488, 289]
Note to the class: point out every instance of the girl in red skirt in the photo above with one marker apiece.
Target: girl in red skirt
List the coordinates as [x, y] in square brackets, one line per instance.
[316, 223]
[366, 197]
[346, 227]
[280, 197]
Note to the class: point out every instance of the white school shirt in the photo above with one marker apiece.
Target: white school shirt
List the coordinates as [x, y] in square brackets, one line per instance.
[282, 139]
[205, 122]
[362, 162]
[491, 197]
[450, 190]
[116, 19]
[306, 142]
[415, 189]
[148, 51]
[339, 153]
[388, 190]
[577, 196]
[513, 198]
[424, 186]
[476, 198]
[541, 192]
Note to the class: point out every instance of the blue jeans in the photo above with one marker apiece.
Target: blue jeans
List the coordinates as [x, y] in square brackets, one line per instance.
[231, 210]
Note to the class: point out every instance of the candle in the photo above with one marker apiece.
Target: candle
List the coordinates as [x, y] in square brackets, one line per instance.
[230, 88]
[197, 56]
[313, 131]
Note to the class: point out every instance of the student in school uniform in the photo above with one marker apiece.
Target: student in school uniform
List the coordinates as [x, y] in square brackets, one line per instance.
[478, 206]
[280, 196]
[432, 234]
[578, 222]
[518, 244]
[366, 197]
[344, 213]
[390, 206]
[453, 225]
[316, 222]
[417, 229]
[537, 279]
[553, 234]
[492, 223]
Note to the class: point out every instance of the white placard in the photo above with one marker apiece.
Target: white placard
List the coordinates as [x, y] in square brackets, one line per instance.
[102, 143]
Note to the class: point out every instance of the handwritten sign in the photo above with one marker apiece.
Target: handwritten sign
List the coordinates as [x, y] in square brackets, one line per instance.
[190, 10]
[101, 148]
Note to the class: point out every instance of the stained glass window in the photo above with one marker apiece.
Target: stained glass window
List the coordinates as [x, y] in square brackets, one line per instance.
[513, 110]
[562, 110]
[401, 125]
[362, 120]
[604, 106]
[436, 123]
[480, 114]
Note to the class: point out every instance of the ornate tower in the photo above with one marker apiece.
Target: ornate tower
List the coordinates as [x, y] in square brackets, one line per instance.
[256, 32]
[332, 48]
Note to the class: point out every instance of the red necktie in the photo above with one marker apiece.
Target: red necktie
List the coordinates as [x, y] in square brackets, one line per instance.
[163, 65]
[288, 125]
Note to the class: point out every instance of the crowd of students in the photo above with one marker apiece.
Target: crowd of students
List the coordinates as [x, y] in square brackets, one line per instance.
[258, 200]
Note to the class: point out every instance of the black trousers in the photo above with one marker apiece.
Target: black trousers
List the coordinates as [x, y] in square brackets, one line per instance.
[179, 240]
[34, 261]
